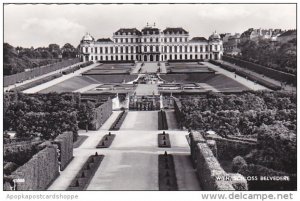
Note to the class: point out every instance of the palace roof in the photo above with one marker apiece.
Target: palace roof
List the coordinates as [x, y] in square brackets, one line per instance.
[150, 30]
[177, 30]
[104, 40]
[198, 39]
[128, 31]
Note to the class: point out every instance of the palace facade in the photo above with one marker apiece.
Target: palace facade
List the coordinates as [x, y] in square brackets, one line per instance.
[150, 44]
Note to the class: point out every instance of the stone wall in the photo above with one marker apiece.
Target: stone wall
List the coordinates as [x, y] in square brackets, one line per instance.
[65, 147]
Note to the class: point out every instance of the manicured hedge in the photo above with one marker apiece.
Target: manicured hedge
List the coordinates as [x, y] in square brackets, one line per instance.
[65, 146]
[39, 172]
[210, 173]
[272, 73]
[36, 82]
[251, 77]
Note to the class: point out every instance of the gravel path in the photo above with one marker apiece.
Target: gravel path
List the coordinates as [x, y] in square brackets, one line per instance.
[131, 162]
[58, 80]
[242, 80]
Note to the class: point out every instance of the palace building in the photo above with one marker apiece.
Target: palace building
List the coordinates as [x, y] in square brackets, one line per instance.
[151, 44]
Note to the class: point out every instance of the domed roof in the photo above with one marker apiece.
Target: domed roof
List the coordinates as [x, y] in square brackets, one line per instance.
[87, 37]
[214, 36]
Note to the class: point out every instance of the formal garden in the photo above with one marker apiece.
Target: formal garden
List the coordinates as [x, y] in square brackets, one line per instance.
[267, 118]
[45, 116]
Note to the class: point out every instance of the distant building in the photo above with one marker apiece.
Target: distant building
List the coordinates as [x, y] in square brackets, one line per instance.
[150, 44]
[287, 36]
[231, 44]
[256, 34]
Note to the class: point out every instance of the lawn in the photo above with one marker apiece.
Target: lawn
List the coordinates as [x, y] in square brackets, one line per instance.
[71, 84]
[218, 81]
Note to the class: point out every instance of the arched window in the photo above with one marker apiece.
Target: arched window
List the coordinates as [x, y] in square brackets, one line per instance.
[151, 48]
[175, 49]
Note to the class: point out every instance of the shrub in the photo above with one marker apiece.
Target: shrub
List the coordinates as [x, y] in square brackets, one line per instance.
[237, 163]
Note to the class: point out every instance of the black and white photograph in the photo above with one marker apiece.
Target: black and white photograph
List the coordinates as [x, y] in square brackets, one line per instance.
[150, 97]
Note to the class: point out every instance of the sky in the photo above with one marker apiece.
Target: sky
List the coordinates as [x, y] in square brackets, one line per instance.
[40, 25]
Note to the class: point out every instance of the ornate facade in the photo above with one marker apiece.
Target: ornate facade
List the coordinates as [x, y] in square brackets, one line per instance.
[150, 44]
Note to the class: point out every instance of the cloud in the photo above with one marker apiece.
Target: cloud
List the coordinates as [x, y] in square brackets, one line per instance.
[60, 29]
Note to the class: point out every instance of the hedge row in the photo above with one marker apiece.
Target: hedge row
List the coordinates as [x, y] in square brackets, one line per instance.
[19, 77]
[36, 82]
[210, 173]
[272, 73]
[65, 146]
[76, 67]
[50, 77]
[247, 76]
[39, 172]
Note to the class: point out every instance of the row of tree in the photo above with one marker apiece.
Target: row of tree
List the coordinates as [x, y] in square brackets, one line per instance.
[280, 56]
[18, 59]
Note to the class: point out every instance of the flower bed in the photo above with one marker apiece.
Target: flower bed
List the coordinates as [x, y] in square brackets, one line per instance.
[118, 122]
[164, 140]
[166, 173]
[86, 173]
[162, 120]
[79, 141]
[106, 140]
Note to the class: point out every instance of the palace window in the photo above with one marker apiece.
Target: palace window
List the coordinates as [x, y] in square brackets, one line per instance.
[106, 50]
[157, 49]
[175, 48]
[201, 49]
[131, 49]
[196, 48]
[186, 49]
[165, 49]
[92, 50]
[216, 47]
[191, 49]
[111, 49]
[101, 50]
[180, 48]
[116, 50]
[96, 50]
[86, 49]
